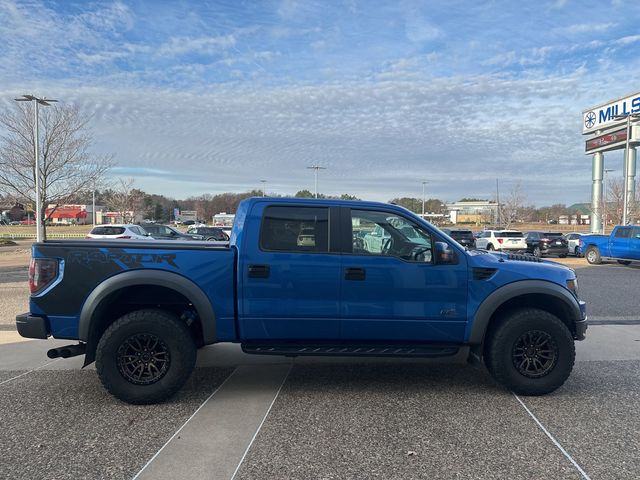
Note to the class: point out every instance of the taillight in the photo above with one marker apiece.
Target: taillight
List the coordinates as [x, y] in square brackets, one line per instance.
[500, 240]
[42, 273]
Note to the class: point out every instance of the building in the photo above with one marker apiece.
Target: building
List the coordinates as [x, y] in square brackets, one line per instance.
[71, 214]
[477, 212]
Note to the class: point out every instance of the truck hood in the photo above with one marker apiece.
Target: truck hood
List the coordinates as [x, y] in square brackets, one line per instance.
[510, 267]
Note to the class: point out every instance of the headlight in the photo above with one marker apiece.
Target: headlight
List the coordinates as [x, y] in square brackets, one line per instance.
[572, 285]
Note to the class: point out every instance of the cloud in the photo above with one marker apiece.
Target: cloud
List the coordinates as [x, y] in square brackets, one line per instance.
[587, 28]
[202, 45]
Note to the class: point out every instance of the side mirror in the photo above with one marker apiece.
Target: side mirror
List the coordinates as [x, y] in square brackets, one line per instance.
[444, 254]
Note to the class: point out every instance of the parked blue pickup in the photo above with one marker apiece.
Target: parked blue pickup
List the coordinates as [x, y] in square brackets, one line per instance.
[623, 245]
[299, 279]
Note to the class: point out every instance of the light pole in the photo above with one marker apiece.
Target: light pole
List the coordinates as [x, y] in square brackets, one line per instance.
[263, 186]
[423, 198]
[627, 164]
[315, 174]
[45, 102]
[604, 200]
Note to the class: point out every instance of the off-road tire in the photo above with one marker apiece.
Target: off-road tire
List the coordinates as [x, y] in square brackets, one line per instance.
[593, 256]
[175, 340]
[505, 336]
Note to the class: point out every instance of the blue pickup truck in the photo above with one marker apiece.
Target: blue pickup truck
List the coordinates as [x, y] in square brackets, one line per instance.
[622, 245]
[298, 279]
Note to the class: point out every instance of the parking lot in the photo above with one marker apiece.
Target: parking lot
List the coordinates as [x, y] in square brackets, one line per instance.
[276, 417]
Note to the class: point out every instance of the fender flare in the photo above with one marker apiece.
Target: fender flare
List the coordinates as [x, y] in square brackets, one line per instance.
[162, 278]
[512, 290]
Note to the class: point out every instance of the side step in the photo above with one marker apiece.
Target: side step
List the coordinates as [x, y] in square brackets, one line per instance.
[353, 350]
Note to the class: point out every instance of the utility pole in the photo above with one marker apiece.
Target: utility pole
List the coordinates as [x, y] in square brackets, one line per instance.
[315, 173]
[423, 197]
[45, 102]
[263, 187]
[498, 202]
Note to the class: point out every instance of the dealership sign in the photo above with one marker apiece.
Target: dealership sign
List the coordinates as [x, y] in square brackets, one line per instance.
[612, 140]
[603, 116]
[605, 142]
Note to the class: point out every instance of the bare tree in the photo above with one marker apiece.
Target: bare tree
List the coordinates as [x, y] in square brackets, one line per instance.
[615, 201]
[66, 164]
[513, 207]
[127, 201]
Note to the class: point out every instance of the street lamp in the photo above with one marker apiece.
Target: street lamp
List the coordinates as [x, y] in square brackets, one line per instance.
[263, 184]
[315, 174]
[44, 102]
[625, 200]
[423, 184]
[604, 201]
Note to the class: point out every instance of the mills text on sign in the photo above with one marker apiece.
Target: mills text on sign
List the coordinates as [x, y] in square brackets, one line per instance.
[603, 116]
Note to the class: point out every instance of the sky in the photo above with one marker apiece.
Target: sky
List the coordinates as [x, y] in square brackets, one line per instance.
[197, 97]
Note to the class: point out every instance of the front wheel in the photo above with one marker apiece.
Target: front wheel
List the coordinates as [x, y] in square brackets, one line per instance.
[145, 356]
[593, 256]
[530, 351]
[536, 252]
[576, 251]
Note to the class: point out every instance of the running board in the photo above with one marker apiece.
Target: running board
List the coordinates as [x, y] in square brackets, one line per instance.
[353, 350]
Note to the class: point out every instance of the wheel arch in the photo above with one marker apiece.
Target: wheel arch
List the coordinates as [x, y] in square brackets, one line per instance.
[526, 293]
[173, 286]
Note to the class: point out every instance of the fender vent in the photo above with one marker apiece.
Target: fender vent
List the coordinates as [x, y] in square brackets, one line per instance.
[480, 273]
[523, 258]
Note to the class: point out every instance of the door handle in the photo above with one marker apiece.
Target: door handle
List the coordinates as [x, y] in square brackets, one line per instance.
[259, 271]
[355, 273]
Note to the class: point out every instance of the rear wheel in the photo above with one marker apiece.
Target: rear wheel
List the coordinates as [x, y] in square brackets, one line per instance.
[490, 247]
[593, 256]
[576, 251]
[530, 351]
[537, 252]
[145, 356]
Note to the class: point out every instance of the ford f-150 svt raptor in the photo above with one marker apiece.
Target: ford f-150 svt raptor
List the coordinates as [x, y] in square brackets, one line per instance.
[298, 278]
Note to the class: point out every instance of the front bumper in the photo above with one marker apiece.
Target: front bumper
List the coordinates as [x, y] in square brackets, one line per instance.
[582, 324]
[32, 326]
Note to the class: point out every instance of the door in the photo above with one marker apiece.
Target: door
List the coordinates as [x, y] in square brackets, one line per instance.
[619, 243]
[290, 275]
[398, 292]
[634, 244]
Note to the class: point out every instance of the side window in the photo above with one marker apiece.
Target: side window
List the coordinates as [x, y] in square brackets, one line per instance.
[624, 232]
[295, 229]
[382, 233]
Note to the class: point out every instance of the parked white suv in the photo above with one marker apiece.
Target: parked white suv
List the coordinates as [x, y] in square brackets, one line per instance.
[502, 240]
[110, 232]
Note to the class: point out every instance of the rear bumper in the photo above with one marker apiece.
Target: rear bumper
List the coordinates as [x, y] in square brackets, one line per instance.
[554, 250]
[31, 326]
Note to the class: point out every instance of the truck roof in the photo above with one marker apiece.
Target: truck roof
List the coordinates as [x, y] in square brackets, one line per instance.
[319, 201]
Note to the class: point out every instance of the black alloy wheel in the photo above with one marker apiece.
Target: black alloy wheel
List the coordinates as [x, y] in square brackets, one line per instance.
[534, 354]
[143, 359]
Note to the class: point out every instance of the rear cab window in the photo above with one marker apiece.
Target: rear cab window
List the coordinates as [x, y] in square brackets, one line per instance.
[295, 229]
[509, 234]
[107, 231]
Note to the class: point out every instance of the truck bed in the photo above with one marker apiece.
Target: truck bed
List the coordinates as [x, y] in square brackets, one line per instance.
[88, 263]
